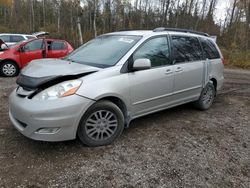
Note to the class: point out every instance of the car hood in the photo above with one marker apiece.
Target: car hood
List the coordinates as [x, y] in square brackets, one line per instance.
[43, 71]
[7, 53]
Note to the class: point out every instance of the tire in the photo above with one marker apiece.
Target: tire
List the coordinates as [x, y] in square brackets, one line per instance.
[207, 97]
[101, 124]
[9, 69]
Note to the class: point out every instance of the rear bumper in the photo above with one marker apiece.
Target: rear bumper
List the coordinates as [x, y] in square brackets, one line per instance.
[220, 82]
[29, 116]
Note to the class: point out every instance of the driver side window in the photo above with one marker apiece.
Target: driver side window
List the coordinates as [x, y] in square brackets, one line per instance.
[157, 50]
[34, 45]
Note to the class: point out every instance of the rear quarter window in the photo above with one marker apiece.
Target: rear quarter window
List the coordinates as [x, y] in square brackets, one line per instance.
[209, 48]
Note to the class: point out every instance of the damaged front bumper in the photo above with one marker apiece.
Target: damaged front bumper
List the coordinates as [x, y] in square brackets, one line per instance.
[53, 120]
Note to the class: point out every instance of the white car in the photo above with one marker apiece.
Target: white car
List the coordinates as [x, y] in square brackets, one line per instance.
[11, 39]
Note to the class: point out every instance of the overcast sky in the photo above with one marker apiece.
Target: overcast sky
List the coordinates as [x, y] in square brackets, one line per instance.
[221, 9]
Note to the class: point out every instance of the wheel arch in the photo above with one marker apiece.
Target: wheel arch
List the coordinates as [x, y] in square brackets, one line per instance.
[11, 60]
[214, 81]
[120, 103]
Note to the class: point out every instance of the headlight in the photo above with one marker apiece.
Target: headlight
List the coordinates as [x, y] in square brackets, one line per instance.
[60, 90]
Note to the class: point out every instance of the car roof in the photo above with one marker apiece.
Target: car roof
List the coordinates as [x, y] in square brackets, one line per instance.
[17, 34]
[47, 39]
[145, 33]
[135, 32]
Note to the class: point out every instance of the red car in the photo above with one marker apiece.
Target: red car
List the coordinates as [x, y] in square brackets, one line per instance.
[17, 56]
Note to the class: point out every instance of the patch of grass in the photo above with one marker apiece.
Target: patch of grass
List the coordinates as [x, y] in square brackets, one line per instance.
[237, 58]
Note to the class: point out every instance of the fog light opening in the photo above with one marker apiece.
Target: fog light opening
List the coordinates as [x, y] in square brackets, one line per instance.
[48, 130]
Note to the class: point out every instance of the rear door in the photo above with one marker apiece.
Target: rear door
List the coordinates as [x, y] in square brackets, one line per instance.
[188, 68]
[214, 67]
[56, 49]
[32, 50]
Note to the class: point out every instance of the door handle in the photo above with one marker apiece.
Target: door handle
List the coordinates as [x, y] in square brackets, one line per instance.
[169, 71]
[178, 69]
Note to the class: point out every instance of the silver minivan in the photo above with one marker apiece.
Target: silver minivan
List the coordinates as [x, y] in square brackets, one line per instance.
[97, 90]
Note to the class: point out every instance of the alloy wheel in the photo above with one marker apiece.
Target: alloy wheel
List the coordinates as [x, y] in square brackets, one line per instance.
[208, 96]
[101, 125]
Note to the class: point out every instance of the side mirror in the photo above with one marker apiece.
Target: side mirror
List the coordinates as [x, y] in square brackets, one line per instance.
[142, 64]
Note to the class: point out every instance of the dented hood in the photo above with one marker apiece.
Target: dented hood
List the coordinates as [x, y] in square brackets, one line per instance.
[39, 72]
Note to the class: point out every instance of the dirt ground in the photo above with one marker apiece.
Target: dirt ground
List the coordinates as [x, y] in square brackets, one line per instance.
[180, 147]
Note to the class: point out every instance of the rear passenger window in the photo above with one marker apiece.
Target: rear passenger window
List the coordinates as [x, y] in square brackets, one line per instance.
[16, 38]
[5, 38]
[157, 50]
[186, 49]
[209, 48]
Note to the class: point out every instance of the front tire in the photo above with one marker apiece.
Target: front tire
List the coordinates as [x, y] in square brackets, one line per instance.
[101, 124]
[207, 97]
[9, 69]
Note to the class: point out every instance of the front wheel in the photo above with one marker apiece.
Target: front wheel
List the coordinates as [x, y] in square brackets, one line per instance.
[9, 69]
[207, 97]
[101, 124]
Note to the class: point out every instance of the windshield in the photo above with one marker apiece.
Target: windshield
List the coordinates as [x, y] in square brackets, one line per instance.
[104, 51]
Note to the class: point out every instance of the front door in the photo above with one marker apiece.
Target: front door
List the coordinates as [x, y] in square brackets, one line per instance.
[32, 50]
[151, 89]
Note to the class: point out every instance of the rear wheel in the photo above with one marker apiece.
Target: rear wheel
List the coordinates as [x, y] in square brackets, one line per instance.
[207, 97]
[9, 69]
[101, 124]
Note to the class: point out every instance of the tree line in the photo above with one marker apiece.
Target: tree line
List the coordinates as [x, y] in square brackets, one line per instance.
[80, 20]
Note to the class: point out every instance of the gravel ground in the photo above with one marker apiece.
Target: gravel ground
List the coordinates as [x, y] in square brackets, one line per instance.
[180, 147]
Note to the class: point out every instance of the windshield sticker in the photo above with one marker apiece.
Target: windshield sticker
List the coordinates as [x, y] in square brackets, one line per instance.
[126, 40]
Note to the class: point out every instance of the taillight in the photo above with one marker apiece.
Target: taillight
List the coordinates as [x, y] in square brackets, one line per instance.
[223, 60]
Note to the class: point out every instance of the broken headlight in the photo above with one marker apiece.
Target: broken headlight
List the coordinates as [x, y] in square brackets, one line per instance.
[60, 90]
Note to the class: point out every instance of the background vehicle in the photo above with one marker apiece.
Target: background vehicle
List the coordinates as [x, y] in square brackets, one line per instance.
[98, 89]
[18, 55]
[11, 39]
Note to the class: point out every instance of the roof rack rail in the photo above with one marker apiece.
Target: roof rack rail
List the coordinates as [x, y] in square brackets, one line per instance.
[161, 29]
